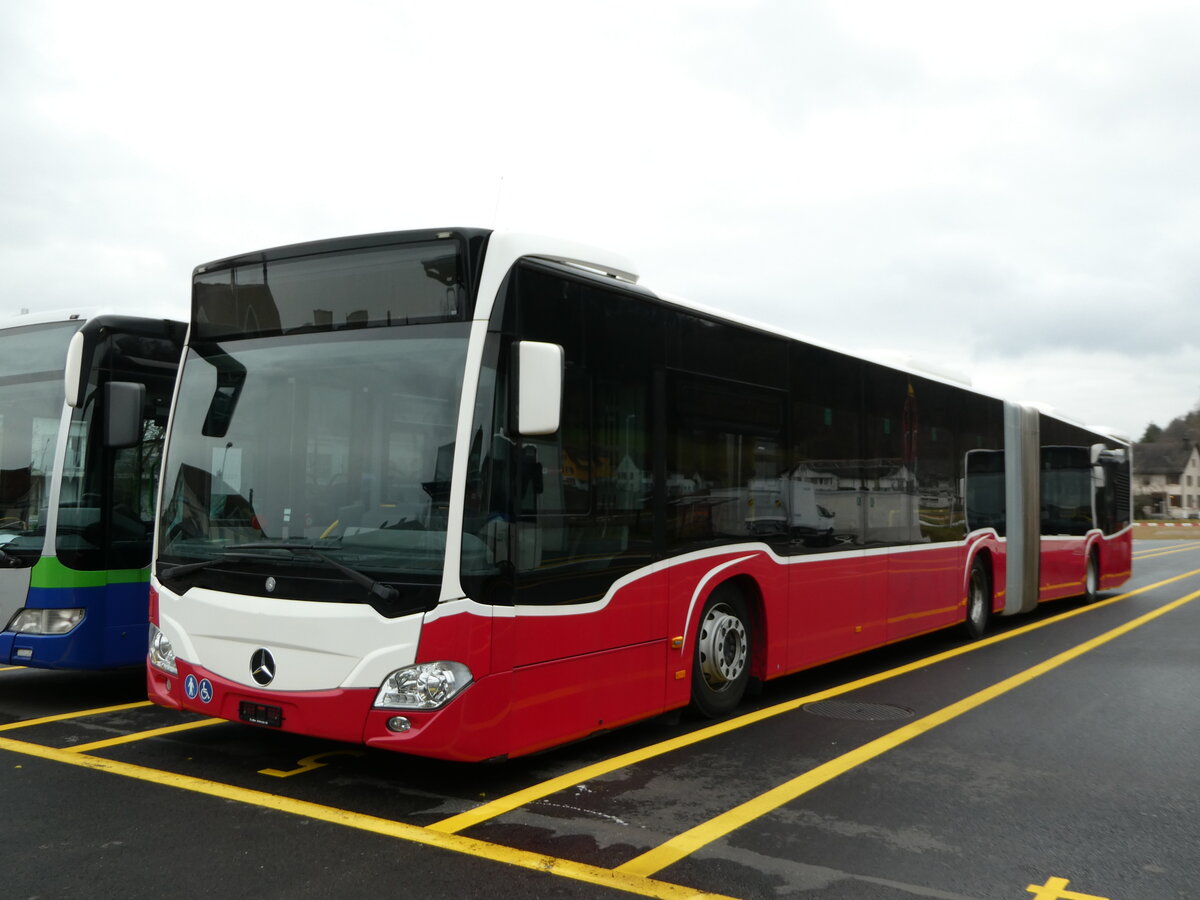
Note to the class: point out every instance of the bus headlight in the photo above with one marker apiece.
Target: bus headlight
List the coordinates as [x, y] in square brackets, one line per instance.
[423, 686]
[162, 654]
[45, 621]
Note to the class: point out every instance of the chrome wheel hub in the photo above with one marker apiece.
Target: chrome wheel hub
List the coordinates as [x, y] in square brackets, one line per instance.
[976, 604]
[724, 647]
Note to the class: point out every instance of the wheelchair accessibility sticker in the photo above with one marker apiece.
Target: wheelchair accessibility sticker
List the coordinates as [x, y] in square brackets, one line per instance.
[202, 689]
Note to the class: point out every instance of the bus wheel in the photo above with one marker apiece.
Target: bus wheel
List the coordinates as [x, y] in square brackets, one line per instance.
[979, 601]
[722, 665]
[1091, 579]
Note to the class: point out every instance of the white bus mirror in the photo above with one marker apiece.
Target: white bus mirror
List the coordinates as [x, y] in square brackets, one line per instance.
[539, 387]
[1097, 452]
[73, 374]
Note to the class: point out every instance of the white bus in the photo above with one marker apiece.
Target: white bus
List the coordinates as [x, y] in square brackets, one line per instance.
[469, 494]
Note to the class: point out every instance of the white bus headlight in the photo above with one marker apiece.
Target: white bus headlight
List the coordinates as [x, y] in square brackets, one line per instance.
[423, 686]
[45, 621]
[162, 654]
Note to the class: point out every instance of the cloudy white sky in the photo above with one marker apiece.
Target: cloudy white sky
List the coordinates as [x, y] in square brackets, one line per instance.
[1010, 189]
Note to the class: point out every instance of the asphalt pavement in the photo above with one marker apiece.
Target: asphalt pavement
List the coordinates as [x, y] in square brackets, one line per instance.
[1054, 759]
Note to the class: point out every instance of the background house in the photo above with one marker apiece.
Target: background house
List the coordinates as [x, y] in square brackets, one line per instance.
[1166, 480]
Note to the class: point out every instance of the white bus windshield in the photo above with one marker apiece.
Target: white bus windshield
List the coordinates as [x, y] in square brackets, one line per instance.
[305, 449]
[31, 402]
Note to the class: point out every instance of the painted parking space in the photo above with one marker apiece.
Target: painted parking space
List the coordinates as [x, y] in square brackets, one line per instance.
[661, 816]
[689, 842]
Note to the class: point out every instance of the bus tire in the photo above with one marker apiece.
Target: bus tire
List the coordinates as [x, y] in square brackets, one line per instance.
[721, 664]
[979, 601]
[1091, 578]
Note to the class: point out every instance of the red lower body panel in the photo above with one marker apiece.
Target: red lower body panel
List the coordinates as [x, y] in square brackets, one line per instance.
[469, 728]
[560, 673]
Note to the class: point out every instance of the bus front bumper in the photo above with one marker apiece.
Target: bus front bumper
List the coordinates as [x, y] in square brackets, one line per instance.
[472, 727]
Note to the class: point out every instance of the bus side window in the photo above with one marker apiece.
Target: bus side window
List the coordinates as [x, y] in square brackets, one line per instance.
[586, 492]
[725, 461]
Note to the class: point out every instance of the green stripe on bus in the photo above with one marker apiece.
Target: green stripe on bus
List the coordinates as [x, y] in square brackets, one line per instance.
[50, 573]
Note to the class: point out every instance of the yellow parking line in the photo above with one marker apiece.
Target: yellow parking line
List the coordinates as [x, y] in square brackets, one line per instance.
[1174, 548]
[143, 735]
[442, 834]
[78, 714]
[692, 840]
[565, 868]
[1151, 554]
[10, 668]
[509, 802]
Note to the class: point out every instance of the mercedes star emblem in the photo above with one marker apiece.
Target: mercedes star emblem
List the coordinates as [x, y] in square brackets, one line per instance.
[262, 666]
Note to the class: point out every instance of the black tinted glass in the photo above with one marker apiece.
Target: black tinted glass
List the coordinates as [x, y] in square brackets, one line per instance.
[391, 285]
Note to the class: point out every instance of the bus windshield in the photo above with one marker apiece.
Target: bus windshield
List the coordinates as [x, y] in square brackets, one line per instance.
[31, 403]
[320, 452]
[106, 499]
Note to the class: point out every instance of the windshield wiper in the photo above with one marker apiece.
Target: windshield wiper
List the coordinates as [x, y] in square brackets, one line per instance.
[384, 592]
[178, 570]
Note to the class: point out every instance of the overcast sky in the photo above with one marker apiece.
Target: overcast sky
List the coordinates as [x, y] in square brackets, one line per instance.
[1009, 189]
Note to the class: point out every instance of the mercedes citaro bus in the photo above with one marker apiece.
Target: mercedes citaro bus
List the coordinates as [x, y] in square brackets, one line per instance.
[468, 494]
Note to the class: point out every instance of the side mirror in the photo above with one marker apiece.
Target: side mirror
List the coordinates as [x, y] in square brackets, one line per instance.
[231, 376]
[123, 403]
[539, 387]
[73, 374]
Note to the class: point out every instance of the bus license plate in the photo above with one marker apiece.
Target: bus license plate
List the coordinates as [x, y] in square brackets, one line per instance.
[258, 714]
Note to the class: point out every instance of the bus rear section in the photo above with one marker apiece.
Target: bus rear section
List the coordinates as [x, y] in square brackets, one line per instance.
[461, 495]
[78, 497]
[1085, 521]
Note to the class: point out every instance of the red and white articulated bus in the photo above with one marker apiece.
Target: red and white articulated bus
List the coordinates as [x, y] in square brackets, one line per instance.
[468, 494]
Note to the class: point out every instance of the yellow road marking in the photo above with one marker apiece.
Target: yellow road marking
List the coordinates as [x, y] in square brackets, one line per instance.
[693, 839]
[1151, 554]
[441, 834]
[309, 763]
[1056, 889]
[509, 802]
[634, 884]
[10, 668]
[79, 714]
[143, 735]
